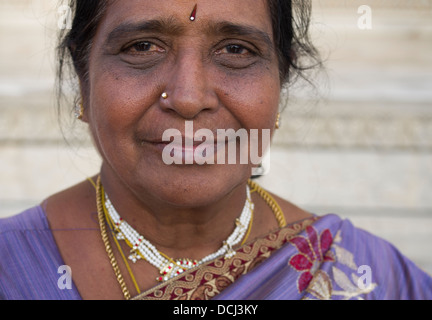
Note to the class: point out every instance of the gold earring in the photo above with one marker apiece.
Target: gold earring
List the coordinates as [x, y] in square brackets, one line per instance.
[277, 124]
[79, 110]
[165, 95]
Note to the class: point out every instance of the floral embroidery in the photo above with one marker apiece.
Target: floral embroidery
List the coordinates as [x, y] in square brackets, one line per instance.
[313, 250]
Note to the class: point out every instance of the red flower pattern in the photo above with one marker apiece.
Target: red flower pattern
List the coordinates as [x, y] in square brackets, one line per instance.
[313, 250]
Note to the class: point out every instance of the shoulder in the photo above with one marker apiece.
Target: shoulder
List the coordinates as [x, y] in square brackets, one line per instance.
[22, 236]
[42, 258]
[291, 212]
[29, 220]
[30, 260]
[64, 210]
[28, 253]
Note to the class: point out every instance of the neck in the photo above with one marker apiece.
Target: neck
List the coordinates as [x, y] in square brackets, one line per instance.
[178, 231]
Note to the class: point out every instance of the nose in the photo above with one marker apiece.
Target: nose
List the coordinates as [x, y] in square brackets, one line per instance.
[189, 89]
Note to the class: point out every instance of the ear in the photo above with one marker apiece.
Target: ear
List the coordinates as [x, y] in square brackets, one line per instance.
[83, 103]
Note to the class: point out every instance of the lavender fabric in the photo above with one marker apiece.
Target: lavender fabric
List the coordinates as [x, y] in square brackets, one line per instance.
[30, 260]
[330, 259]
[334, 260]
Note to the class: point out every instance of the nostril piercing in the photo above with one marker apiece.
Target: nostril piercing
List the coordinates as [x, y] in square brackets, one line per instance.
[165, 95]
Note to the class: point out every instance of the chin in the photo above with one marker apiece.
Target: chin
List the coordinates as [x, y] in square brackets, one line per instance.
[195, 186]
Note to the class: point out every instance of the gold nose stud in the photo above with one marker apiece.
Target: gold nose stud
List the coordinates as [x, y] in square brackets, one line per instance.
[165, 95]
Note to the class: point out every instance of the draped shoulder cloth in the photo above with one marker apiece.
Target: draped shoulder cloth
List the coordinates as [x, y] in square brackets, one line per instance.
[319, 258]
[323, 257]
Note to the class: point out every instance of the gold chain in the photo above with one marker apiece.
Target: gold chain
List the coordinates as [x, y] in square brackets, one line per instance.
[105, 239]
[271, 202]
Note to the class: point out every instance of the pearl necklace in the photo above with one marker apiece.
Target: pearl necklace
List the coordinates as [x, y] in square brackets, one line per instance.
[169, 268]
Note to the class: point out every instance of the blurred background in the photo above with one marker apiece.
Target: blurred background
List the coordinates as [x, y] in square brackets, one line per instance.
[359, 144]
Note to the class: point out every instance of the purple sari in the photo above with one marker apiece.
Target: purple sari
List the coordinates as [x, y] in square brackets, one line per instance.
[332, 259]
[317, 258]
[30, 262]
[320, 258]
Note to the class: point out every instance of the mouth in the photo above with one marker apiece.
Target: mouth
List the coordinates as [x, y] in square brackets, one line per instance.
[187, 151]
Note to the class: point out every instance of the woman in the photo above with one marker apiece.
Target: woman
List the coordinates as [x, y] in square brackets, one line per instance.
[147, 229]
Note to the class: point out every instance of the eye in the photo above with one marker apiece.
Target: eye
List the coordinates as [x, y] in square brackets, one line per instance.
[235, 55]
[234, 49]
[143, 47]
[143, 54]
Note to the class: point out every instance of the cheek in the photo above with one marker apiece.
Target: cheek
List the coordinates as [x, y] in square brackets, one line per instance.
[115, 107]
[118, 102]
[254, 102]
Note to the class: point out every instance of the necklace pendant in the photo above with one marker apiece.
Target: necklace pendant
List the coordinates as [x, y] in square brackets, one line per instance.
[230, 251]
[166, 272]
[239, 224]
[134, 256]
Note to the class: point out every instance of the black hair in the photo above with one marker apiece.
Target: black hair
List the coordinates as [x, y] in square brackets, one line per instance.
[75, 44]
[290, 20]
[296, 52]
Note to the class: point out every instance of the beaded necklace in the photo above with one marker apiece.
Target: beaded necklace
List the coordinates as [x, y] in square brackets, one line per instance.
[103, 218]
[141, 248]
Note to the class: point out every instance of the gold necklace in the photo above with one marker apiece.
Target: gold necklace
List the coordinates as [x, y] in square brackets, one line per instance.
[102, 217]
[271, 202]
[105, 240]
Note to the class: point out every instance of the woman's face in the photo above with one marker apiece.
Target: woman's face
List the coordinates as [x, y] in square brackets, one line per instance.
[219, 71]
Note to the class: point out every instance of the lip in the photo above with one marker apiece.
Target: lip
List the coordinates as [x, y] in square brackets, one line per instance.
[186, 142]
[182, 153]
[183, 147]
[180, 147]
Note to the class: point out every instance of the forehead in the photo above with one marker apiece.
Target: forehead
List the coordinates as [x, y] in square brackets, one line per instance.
[253, 13]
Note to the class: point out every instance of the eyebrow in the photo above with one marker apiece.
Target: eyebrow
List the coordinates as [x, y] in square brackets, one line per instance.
[171, 26]
[231, 29]
[165, 26]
